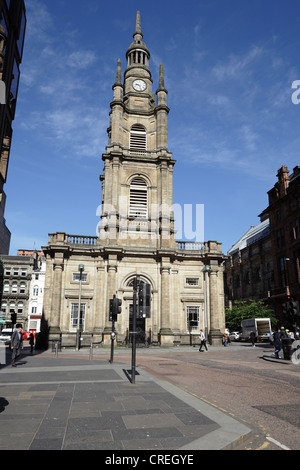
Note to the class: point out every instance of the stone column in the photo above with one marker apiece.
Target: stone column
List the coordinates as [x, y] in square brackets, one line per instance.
[215, 335]
[166, 333]
[111, 290]
[54, 321]
[99, 295]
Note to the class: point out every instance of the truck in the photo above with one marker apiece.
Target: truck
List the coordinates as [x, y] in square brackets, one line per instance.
[260, 326]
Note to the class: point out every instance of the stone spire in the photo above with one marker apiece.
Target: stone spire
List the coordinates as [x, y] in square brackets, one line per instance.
[138, 29]
[118, 81]
[161, 83]
[137, 54]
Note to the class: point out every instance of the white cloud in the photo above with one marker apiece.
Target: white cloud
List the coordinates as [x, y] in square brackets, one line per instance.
[236, 65]
[81, 59]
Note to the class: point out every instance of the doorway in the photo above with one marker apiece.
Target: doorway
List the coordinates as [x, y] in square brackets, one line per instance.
[140, 328]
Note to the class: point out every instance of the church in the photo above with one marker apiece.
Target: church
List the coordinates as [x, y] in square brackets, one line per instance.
[136, 235]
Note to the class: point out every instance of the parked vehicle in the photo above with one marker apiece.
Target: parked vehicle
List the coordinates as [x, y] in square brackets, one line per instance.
[260, 326]
[235, 336]
[5, 335]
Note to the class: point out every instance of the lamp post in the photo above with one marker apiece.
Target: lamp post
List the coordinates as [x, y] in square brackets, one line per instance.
[78, 332]
[205, 270]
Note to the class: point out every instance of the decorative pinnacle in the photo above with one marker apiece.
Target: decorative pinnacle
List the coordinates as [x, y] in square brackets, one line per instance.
[161, 76]
[118, 77]
[138, 28]
[161, 83]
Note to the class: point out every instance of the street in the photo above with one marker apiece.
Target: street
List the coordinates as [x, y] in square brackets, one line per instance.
[262, 394]
[238, 381]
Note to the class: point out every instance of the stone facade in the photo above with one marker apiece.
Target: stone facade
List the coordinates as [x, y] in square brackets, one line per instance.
[12, 34]
[283, 211]
[136, 234]
[249, 272]
[16, 278]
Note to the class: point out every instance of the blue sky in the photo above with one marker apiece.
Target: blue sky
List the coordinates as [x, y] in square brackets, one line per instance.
[229, 68]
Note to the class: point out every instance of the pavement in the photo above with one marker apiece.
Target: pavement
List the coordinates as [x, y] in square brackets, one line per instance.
[69, 401]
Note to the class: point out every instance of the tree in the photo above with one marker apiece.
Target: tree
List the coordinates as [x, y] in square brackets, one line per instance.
[244, 309]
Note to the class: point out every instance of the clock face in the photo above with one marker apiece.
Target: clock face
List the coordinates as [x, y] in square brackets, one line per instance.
[139, 85]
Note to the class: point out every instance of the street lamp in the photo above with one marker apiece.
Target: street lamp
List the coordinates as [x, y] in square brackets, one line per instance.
[205, 270]
[78, 332]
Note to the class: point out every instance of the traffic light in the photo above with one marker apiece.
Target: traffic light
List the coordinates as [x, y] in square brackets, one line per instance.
[118, 306]
[144, 304]
[114, 308]
[111, 310]
[285, 310]
[293, 309]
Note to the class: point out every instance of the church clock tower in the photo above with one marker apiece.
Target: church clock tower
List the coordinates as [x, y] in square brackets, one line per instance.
[137, 184]
[136, 236]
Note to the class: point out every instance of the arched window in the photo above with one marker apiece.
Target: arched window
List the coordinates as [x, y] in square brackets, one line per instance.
[14, 288]
[20, 307]
[138, 139]
[138, 199]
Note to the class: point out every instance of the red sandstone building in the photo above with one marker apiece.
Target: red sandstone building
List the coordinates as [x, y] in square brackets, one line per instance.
[284, 216]
[265, 263]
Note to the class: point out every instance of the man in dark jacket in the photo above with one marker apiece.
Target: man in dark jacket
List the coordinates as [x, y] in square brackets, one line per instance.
[16, 344]
[277, 343]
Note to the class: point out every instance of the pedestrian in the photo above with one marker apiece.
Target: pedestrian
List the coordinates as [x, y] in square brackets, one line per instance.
[16, 344]
[277, 342]
[252, 338]
[31, 342]
[283, 333]
[225, 338]
[202, 341]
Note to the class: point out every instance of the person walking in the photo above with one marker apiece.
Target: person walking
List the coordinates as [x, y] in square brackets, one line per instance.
[202, 341]
[252, 338]
[277, 343]
[225, 338]
[16, 344]
[31, 342]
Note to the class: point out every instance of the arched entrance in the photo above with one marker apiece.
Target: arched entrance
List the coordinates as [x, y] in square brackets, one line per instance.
[140, 328]
[143, 337]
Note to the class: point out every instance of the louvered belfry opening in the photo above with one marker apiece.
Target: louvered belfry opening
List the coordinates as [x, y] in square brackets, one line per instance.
[138, 203]
[138, 139]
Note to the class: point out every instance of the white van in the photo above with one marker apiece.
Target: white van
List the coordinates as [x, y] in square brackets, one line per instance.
[5, 335]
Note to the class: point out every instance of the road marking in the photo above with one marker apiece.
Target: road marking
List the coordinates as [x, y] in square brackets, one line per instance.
[263, 446]
[282, 446]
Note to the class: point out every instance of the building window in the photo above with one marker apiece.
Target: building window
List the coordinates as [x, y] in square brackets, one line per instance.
[24, 272]
[3, 307]
[282, 271]
[138, 199]
[280, 238]
[75, 323]
[33, 310]
[7, 271]
[6, 288]
[14, 288]
[22, 288]
[192, 281]
[138, 139]
[12, 307]
[192, 317]
[20, 307]
[35, 291]
[16, 272]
